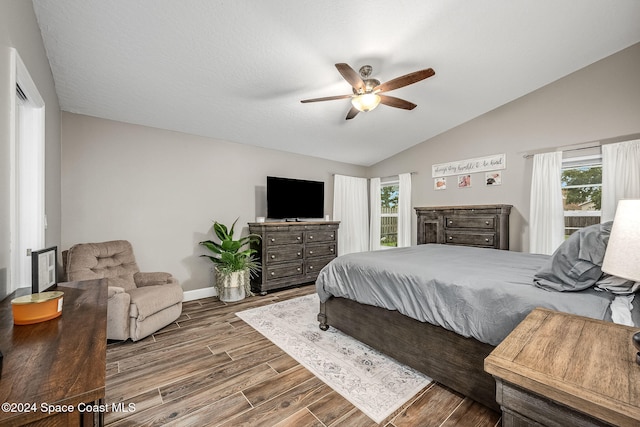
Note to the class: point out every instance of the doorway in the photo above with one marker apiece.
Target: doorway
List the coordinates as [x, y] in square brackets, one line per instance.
[27, 222]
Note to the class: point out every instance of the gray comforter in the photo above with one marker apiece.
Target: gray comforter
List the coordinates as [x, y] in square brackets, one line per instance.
[475, 292]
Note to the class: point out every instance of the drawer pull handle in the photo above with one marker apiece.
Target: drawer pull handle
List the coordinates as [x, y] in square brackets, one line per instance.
[311, 267]
[486, 240]
[331, 249]
[273, 240]
[298, 254]
[298, 268]
[298, 238]
[450, 222]
[273, 257]
[310, 237]
[331, 236]
[310, 252]
[486, 222]
[450, 237]
[273, 273]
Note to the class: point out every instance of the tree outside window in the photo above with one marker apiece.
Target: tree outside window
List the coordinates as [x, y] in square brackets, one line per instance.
[389, 214]
[582, 195]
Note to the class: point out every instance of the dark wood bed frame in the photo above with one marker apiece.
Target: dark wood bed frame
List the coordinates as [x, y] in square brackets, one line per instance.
[448, 358]
[445, 356]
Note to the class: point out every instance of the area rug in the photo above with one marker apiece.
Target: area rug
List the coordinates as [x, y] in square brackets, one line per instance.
[376, 384]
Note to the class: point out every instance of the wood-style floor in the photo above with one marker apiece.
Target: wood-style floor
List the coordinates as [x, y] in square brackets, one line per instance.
[212, 369]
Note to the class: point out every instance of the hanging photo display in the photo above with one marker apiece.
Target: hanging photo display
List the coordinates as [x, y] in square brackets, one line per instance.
[464, 181]
[465, 167]
[492, 178]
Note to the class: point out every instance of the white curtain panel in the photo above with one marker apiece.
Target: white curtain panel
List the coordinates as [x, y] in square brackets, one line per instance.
[404, 210]
[546, 218]
[351, 208]
[620, 175]
[374, 225]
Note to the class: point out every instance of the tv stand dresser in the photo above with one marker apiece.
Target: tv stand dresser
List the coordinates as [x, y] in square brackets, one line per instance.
[292, 253]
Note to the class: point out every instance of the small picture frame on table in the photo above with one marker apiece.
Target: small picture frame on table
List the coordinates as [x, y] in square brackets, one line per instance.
[44, 269]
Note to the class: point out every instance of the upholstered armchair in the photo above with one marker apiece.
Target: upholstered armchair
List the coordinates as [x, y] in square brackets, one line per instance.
[139, 304]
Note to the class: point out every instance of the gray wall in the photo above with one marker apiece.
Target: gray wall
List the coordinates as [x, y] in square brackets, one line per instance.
[161, 190]
[19, 30]
[598, 102]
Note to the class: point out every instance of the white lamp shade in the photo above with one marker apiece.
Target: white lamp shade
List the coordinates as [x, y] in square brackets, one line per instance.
[622, 258]
[366, 102]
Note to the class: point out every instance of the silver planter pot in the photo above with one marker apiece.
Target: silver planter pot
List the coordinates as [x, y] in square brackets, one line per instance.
[232, 286]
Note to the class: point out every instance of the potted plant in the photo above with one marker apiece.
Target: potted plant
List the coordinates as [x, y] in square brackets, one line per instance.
[234, 262]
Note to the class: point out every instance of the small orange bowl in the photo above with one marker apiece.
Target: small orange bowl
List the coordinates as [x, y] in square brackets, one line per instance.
[36, 308]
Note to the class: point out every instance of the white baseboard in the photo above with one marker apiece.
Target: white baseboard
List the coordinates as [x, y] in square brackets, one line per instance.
[200, 293]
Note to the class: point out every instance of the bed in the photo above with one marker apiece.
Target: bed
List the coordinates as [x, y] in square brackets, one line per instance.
[442, 309]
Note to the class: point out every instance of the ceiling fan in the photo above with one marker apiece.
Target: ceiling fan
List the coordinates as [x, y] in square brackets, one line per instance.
[367, 92]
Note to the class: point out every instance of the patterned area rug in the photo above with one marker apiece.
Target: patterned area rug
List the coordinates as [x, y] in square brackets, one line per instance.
[374, 383]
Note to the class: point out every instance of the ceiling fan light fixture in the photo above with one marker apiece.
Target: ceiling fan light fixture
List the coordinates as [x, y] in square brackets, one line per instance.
[366, 101]
[365, 89]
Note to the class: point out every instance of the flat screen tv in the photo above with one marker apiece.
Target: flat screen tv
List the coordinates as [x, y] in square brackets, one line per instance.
[294, 199]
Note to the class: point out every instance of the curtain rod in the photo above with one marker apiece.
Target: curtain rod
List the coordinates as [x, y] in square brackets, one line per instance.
[412, 173]
[528, 156]
[592, 144]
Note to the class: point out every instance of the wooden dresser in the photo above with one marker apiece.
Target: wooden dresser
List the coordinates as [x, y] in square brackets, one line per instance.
[559, 369]
[53, 372]
[484, 226]
[292, 253]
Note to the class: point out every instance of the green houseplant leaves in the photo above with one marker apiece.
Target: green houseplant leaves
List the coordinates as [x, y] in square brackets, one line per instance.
[231, 255]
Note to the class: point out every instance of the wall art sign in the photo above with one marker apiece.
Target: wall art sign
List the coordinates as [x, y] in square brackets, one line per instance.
[479, 164]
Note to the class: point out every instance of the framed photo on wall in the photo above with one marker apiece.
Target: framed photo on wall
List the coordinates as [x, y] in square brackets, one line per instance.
[493, 178]
[44, 269]
[464, 181]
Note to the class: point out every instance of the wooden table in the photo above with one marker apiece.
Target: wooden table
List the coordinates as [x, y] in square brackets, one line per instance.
[558, 369]
[54, 371]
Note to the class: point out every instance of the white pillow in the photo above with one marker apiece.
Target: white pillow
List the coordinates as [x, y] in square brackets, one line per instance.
[621, 310]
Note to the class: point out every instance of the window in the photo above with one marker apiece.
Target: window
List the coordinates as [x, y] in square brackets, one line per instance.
[389, 192]
[581, 192]
[27, 213]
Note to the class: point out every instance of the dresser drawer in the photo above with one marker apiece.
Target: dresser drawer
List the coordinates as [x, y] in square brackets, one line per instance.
[313, 266]
[283, 238]
[320, 236]
[284, 270]
[486, 222]
[315, 251]
[292, 253]
[475, 239]
[471, 225]
[277, 254]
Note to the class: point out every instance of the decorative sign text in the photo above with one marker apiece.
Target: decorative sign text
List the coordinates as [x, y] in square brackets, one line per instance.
[495, 162]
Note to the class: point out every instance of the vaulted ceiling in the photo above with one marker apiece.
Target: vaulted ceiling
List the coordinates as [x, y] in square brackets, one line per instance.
[237, 70]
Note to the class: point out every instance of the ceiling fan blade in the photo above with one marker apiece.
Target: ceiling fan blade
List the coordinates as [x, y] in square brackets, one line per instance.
[392, 101]
[352, 113]
[327, 98]
[351, 76]
[405, 80]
